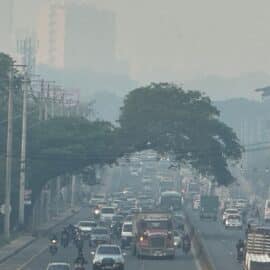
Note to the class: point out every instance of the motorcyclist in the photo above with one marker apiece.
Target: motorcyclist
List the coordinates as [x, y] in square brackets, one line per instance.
[79, 242]
[240, 249]
[186, 243]
[64, 237]
[53, 244]
[80, 261]
[53, 238]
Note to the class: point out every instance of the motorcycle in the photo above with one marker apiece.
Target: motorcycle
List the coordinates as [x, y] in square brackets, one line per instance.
[64, 240]
[186, 246]
[240, 254]
[53, 247]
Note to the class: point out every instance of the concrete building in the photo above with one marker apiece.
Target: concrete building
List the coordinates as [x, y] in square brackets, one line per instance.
[51, 34]
[77, 35]
[90, 38]
[6, 26]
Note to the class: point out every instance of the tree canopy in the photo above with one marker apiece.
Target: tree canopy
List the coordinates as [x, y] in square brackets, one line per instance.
[67, 145]
[163, 117]
[185, 124]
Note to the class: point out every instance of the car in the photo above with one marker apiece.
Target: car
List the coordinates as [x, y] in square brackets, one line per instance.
[229, 211]
[99, 235]
[177, 239]
[129, 218]
[196, 204]
[179, 222]
[233, 221]
[96, 199]
[126, 234]
[107, 213]
[58, 266]
[108, 257]
[86, 227]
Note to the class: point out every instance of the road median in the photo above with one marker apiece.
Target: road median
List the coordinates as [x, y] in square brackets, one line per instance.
[199, 248]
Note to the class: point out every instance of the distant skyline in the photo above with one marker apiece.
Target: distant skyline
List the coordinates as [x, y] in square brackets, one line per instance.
[183, 40]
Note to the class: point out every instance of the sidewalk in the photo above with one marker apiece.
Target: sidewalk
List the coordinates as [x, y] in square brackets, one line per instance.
[20, 243]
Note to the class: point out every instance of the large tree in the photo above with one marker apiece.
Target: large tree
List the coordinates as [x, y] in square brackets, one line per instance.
[67, 145]
[184, 124]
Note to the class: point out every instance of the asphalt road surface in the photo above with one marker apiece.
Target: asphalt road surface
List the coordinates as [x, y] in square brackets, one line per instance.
[40, 258]
[219, 242]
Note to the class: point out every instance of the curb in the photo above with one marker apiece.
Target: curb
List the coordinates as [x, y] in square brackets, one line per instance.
[44, 233]
[201, 252]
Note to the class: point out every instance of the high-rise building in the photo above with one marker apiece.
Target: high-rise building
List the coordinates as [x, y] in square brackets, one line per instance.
[51, 34]
[6, 26]
[77, 35]
[90, 38]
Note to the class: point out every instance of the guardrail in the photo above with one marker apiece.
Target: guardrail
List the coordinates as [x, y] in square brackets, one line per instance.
[200, 250]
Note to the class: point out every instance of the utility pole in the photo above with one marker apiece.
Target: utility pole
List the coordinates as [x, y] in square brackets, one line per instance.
[41, 101]
[46, 102]
[73, 183]
[9, 156]
[23, 152]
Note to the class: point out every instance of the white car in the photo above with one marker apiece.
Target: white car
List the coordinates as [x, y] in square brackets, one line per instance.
[229, 211]
[58, 266]
[126, 234]
[196, 204]
[108, 257]
[107, 213]
[86, 227]
[177, 239]
[233, 221]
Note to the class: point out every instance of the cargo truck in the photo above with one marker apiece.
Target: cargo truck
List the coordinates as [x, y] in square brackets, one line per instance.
[257, 249]
[153, 235]
[209, 206]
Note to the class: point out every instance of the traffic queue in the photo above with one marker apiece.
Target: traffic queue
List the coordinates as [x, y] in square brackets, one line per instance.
[126, 221]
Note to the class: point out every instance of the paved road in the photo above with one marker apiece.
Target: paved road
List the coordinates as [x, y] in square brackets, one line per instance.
[19, 260]
[37, 257]
[220, 243]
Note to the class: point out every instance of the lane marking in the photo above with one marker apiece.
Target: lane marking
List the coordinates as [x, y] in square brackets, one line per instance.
[32, 258]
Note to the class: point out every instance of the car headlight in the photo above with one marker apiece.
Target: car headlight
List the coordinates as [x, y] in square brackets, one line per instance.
[97, 211]
[175, 243]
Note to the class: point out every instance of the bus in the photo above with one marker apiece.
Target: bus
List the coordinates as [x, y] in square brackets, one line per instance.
[170, 200]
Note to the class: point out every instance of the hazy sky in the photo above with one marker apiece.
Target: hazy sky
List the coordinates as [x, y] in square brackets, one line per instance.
[177, 40]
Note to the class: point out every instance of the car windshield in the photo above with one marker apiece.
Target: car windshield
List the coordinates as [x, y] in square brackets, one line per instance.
[87, 224]
[100, 231]
[237, 218]
[59, 267]
[232, 211]
[109, 250]
[127, 228]
[157, 224]
[107, 210]
[118, 218]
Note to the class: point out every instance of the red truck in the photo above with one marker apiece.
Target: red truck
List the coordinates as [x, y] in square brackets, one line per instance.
[153, 235]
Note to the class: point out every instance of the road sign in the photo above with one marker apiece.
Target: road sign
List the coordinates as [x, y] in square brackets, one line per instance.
[27, 197]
